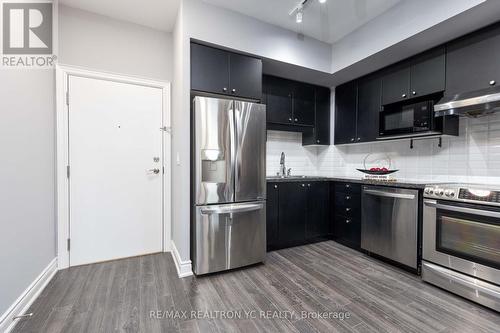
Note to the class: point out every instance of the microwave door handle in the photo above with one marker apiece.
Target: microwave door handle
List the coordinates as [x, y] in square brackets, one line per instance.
[390, 194]
[463, 209]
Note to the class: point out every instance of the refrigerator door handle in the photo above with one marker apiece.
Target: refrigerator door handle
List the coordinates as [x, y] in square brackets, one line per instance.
[231, 209]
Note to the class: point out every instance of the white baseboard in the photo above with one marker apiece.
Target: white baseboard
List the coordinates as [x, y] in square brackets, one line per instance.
[22, 304]
[183, 267]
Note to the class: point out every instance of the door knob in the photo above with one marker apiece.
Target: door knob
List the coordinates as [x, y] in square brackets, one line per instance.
[155, 171]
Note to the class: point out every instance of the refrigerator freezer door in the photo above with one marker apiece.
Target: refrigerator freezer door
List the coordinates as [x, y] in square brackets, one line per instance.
[250, 173]
[214, 150]
[229, 236]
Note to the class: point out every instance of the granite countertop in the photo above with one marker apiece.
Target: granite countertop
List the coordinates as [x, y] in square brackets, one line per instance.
[405, 183]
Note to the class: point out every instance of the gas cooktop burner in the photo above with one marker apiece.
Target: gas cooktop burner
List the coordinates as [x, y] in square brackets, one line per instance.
[471, 193]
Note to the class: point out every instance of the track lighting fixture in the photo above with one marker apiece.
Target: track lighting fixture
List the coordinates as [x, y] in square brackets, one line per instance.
[298, 10]
[298, 16]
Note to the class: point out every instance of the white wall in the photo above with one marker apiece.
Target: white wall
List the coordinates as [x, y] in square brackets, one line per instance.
[303, 160]
[181, 140]
[201, 21]
[27, 189]
[234, 30]
[27, 134]
[102, 43]
[472, 157]
[404, 20]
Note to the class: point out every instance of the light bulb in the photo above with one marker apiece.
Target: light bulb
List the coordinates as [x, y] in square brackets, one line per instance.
[298, 18]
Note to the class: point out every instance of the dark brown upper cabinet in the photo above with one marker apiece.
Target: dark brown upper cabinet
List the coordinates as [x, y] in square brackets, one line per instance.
[226, 73]
[396, 84]
[357, 109]
[346, 100]
[320, 133]
[303, 104]
[300, 107]
[369, 105]
[472, 62]
[279, 100]
[419, 76]
[428, 73]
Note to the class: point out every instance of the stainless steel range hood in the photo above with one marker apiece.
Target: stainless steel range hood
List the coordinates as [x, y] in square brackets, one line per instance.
[470, 104]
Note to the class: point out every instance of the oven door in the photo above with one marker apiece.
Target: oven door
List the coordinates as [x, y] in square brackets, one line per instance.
[463, 237]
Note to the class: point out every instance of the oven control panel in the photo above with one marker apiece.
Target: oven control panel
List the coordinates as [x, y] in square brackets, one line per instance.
[479, 195]
[463, 193]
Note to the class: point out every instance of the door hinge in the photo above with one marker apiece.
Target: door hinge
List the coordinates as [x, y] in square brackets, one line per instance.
[67, 98]
[69, 244]
[166, 129]
[67, 171]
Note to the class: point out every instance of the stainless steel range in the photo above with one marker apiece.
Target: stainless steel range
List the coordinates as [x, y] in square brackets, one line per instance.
[461, 241]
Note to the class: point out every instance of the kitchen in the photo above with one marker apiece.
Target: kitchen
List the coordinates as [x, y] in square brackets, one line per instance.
[285, 173]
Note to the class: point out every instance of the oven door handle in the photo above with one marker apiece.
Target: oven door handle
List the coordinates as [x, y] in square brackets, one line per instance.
[463, 209]
[466, 281]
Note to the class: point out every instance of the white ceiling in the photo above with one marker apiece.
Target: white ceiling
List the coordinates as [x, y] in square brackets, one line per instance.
[327, 22]
[156, 14]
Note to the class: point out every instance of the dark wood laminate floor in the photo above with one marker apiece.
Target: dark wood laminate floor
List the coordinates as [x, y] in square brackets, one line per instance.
[325, 277]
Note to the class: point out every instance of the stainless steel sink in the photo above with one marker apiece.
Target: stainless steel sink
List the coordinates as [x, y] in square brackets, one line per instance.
[289, 177]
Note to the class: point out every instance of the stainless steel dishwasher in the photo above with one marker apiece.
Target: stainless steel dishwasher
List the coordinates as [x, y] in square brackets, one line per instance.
[389, 223]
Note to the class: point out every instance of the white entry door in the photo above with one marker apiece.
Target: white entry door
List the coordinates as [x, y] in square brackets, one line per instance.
[115, 175]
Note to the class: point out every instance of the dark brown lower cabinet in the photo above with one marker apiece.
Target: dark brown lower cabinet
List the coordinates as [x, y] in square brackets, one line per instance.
[297, 213]
[346, 213]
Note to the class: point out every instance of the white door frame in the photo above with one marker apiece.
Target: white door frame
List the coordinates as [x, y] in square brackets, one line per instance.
[62, 75]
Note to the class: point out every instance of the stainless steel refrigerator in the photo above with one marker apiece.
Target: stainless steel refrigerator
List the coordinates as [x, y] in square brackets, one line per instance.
[229, 227]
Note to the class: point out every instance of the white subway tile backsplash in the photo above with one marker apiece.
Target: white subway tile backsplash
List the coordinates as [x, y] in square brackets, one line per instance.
[474, 156]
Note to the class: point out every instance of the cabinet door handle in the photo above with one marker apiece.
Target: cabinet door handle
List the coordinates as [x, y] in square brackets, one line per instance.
[317, 141]
[348, 209]
[289, 119]
[296, 120]
[352, 139]
[224, 89]
[303, 185]
[404, 95]
[308, 185]
[493, 82]
[233, 90]
[347, 221]
[275, 186]
[359, 139]
[348, 198]
[347, 186]
[414, 93]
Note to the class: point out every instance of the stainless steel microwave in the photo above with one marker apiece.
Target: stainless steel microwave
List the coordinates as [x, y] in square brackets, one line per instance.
[409, 120]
